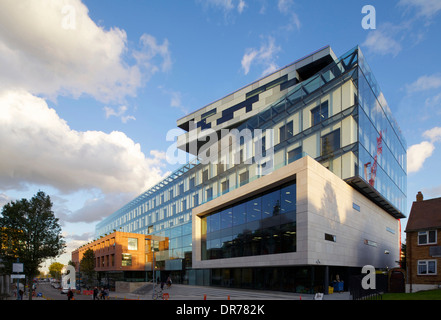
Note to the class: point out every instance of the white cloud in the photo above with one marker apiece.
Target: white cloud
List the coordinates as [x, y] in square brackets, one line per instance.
[42, 149]
[426, 82]
[39, 54]
[225, 5]
[95, 208]
[150, 50]
[4, 199]
[247, 59]
[433, 134]
[417, 154]
[426, 8]
[120, 113]
[286, 7]
[380, 42]
[264, 56]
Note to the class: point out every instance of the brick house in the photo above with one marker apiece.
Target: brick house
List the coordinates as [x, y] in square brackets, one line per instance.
[423, 242]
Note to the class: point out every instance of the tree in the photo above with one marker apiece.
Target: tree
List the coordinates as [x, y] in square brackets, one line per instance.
[31, 233]
[55, 270]
[87, 266]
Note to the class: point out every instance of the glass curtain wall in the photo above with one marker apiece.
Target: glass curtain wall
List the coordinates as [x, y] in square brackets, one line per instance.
[382, 150]
[264, 224]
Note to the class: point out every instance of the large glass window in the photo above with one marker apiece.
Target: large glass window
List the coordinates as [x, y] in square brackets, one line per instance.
[264, 224]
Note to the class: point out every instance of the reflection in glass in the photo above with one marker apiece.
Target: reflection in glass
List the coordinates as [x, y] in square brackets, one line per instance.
[265, 224]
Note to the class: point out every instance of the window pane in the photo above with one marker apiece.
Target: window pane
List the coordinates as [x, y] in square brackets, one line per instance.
[432, 236]
[330, 142]
[226, 218]
[126, 260]
[288, 199]
[271, 204]
[294, 154]
[132, 244]
[431, 267]
[422, 267]
[319, 113]
[239, 214]
[253, 208]
[214, 222]
[422, 237]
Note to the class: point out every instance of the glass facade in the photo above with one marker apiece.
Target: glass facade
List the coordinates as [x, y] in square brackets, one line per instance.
[264, 224]
[382, 149]
[338, 117]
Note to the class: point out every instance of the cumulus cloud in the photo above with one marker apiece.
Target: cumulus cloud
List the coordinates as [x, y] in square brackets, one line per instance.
[42, 54]
[42, 149]
[265, 56]
[424, 83]
[381, 42]
[417, 154]
[433, 134]
[93, 209]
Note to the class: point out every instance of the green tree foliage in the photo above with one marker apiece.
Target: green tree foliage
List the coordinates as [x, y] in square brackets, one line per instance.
[55, 270]
[31, 233]
[87, 266]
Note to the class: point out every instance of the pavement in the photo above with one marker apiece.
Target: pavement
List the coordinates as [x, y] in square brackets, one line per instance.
[187, 292]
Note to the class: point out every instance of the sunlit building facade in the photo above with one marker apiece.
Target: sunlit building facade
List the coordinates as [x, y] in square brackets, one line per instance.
[303, 170]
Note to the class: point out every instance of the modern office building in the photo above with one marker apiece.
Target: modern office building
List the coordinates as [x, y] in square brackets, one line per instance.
[297, 178]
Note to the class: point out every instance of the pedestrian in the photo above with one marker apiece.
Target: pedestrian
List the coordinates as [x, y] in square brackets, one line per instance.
[95, 293]
[70, 294]
[102, 294]
[169, 282]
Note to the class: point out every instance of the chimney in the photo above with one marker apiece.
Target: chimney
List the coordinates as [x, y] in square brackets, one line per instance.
[419, 196]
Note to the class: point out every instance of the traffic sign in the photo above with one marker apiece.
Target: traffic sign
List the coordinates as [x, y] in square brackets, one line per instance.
[17, 267]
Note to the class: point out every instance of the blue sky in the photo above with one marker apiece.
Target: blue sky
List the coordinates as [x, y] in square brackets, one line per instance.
[89, 89]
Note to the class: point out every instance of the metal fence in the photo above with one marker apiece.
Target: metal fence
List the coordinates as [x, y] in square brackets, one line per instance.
[359, 293]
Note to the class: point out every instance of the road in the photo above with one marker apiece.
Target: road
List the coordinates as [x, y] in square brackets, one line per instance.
[55, 294]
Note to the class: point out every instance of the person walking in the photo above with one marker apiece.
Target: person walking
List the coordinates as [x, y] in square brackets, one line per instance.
[95, 293]
[70, 294]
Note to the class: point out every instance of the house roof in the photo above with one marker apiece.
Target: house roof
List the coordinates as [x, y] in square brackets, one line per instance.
[424, 215]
